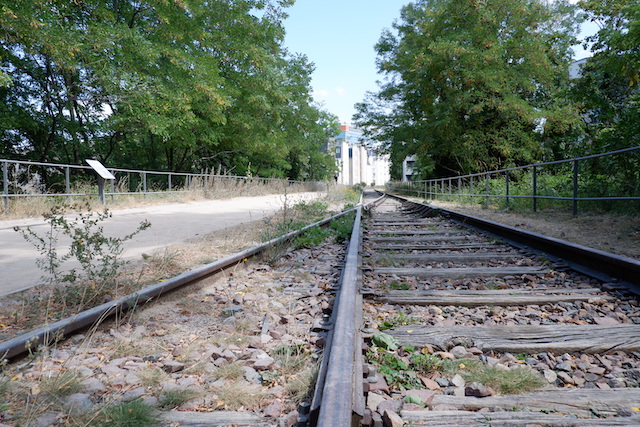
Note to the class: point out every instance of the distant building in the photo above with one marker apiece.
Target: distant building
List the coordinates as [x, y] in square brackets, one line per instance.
[358, 163]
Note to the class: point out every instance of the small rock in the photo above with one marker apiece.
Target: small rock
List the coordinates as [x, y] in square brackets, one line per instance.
[274, 410]
[565, 378]
[444, 355]
[392, 419]
[389, 405]
[563, 366]
[92, 385]
[478, 390]
[457, 381]
[459, 351]
[373, 400]
[443, 382]
[78, 403]
[617, 383]
[550, 376]
[430, 384]
[171, 366]
[605, 321]
[45, 420]
[133, 394]
[263, 364]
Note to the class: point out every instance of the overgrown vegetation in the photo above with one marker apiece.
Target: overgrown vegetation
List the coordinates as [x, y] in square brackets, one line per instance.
[71, 288]
[135, 413]
[403, 365]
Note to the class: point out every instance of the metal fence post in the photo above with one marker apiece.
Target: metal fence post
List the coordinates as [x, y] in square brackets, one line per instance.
[575, 188]
[5, 181]
[506, 175]
[486, 191]
[144, 184]
[67, 182]
[113, 186]
[459, 189]
[169, 183]
[535, 189]
[471, 189]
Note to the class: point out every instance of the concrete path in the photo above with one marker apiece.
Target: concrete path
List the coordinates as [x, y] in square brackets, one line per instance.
[170, 223]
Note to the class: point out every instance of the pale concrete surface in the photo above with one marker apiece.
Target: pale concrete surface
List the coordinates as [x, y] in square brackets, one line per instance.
[170, 223]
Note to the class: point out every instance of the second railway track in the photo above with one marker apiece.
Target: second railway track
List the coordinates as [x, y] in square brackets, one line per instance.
[422, 321]
[458, 326]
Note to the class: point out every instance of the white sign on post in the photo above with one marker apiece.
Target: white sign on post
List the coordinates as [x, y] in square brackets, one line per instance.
[100, 169]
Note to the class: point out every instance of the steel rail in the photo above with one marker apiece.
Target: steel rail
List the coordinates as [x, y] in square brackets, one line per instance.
[587, 260]
[90, 318]
[336, 408]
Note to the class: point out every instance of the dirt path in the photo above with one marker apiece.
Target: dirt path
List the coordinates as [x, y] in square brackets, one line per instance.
[170, 223]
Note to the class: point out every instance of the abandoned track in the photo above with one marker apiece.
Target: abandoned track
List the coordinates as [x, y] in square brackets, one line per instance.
[450, 314]
[404, 323]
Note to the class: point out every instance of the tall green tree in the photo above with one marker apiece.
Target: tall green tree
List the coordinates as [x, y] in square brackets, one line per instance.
[468, 83]
[608, 92]
[178, 85]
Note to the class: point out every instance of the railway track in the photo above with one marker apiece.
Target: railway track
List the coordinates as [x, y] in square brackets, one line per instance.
[455, 323]
[422, 321]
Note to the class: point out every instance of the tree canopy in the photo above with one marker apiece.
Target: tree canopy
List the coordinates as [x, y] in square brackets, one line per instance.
[159, 84]
[473, 84]
[608, 92]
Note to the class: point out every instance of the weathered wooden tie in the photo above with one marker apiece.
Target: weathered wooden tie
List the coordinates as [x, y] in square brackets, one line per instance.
[437, 247]
[487, 298]
[454, 257]
[526, 338]
[461, 273]
[509, 418]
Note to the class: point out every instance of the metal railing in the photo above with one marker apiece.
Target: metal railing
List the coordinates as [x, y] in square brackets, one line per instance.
[524, 182]
[21, 179]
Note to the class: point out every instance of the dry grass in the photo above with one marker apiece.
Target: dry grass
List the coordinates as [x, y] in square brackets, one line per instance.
[241, 396]
[212, 187]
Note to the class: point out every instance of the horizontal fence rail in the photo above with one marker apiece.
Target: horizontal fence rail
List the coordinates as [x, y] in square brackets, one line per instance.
[563, 180]
[24, 179]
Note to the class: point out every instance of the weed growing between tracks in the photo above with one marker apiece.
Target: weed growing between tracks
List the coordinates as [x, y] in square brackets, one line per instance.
[405, 367]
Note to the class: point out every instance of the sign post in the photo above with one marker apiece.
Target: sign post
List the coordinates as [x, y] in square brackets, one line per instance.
[103, 174]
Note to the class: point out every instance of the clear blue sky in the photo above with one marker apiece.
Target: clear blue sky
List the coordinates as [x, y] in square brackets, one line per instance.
[338, 37]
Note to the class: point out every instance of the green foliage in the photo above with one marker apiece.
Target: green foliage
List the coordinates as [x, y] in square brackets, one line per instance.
[135, 413]
[507, 381]
[385, 341]
[466, 87]
[97, 253]
[160, 85]
[342, 227]
[311, 238]
[396, 372]
[398, 319]
[608, 93]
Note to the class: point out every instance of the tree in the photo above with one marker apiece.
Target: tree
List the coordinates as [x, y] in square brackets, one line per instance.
[178, 85]
[608, 92]
[468, 81]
